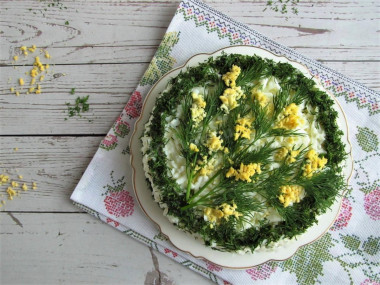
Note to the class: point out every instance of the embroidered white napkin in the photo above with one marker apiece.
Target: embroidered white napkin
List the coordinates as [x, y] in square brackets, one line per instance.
[348, 252]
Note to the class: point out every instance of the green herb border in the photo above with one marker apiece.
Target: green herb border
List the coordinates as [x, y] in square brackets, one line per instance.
[328, 184]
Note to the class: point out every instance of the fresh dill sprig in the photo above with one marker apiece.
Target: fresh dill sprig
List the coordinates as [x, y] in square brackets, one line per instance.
[188, 204]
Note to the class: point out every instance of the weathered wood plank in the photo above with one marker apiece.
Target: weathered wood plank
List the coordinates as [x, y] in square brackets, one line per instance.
[143, 54]
[56, 164]
[339, 30]
[109, 87]
[77, 248]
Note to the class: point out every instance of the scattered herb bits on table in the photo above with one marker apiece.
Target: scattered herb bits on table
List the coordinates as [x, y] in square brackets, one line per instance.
[243, 152]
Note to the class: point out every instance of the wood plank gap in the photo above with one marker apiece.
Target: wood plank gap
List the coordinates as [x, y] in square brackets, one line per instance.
[75, 64]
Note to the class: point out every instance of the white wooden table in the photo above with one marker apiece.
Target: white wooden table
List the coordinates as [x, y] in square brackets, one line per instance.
[101, 48]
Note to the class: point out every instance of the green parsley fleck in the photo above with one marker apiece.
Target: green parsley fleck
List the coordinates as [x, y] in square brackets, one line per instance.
[81, 106]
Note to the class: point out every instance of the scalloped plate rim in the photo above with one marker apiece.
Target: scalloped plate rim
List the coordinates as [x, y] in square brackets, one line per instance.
[191, 245]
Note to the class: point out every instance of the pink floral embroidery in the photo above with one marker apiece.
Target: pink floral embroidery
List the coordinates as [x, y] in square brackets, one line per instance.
[109, 142]
[109, 221]
[121, 128]
[119, 203]
[369, 282]
[213, 267]
[372, 204]
[134, 105]
[344, 216]
[226, 282]
[261, 272]
[170, 251]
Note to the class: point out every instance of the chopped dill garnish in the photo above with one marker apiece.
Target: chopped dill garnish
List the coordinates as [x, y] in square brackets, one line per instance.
[81, 105]
[238, 150]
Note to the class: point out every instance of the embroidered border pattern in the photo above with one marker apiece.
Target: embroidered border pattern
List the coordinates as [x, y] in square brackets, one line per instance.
[237, 33]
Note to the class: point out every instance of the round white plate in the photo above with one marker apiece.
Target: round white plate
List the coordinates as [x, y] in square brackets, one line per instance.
[184, 241]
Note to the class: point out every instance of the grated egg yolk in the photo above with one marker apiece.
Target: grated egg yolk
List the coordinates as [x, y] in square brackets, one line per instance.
[21, 81]
[214, 142]
[230, 77]
[205, 167]
[260, 97]
[194, 148]
[245, 172]
[314, 163]
[197, 109]
[230, 97]
[3, 179]
[215, 215]
[290, 194]
[290, 120]
[11, 193]
[242, 128]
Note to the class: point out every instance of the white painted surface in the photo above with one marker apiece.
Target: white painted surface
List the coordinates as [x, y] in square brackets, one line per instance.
[104, 50]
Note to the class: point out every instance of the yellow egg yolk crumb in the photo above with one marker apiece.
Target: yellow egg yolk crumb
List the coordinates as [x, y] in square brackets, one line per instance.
[3, 179]
[245, 172]
[230, 98]
[11, 193]
[24, 187]
[207, 168]
[214, 142]
[198, 108]
[15, 58]
[290, 118]
[260, 97]
[243, 128]
[215, 215]
[38, 90]
[313, 163]
[288, 153]
[290, 194]
[24, 50]
[34, 185]
[230, 77]
[21, 81]
[32, 48]
[194, 148]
